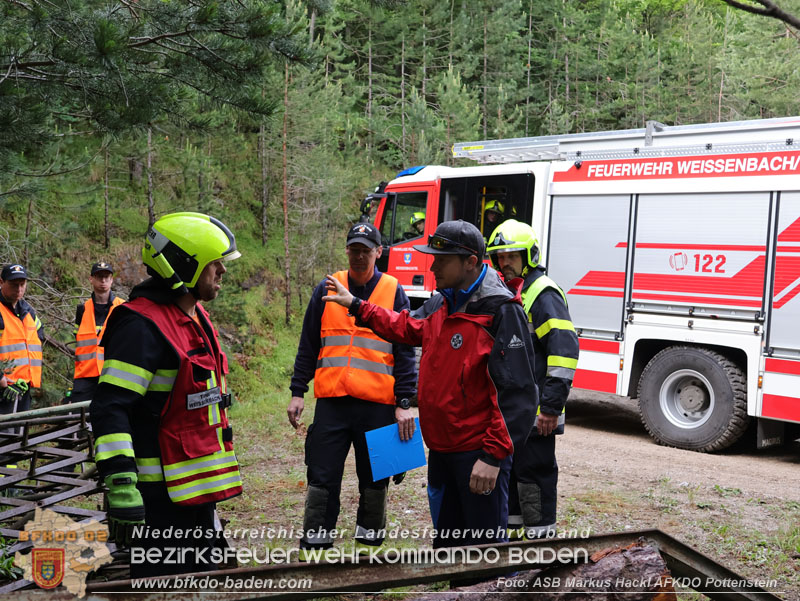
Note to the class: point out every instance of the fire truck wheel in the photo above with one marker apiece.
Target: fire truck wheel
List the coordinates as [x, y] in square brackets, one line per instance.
[693, 398]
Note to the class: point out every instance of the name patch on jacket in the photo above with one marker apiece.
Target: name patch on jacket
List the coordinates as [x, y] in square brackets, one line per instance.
[198, 400]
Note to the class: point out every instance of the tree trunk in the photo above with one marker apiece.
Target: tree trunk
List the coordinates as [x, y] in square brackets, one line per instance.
[151, 210]
[264, 158]
[403, 92]
[106, 224]
[369, 92]
[264, 161]
[566, 62]
[635, 573]
[658, 82]
[722, 71]
[424, 53]
[311, 23]
[528, 88]
[209, 192]
[597, 82]
[450, 40]
[28, 229]
[485, 77]
[287, 265]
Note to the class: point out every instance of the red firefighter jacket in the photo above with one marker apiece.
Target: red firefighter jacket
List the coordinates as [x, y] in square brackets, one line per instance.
[476, 384]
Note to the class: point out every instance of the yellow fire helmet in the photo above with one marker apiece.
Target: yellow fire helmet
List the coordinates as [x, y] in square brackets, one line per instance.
[179, 246]
[513, 235]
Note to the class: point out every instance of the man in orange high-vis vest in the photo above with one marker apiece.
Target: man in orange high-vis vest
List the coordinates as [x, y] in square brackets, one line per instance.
[90, 324]
[20, 342]
[361, 382]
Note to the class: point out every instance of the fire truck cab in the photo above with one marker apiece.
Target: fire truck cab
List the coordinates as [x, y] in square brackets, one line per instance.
[678, 249]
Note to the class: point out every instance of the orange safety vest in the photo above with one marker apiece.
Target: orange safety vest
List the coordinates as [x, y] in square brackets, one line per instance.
[88, 352]
[354, 361]
[20, 344]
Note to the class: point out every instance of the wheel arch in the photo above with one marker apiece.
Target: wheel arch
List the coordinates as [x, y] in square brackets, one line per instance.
[647, 348]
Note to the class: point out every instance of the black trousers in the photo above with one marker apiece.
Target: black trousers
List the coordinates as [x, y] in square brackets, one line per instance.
[535, 464]
[23, 405]
[338, 423]
[162, 513]
[82, 389]
[459, 516]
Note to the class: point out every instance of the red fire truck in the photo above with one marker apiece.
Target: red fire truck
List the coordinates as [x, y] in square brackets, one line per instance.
[678, 248]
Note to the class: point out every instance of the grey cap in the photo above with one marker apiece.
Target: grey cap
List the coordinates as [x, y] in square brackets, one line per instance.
[455, 238]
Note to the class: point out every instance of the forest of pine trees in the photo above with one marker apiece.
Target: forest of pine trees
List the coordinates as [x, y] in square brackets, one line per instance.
[278, 116]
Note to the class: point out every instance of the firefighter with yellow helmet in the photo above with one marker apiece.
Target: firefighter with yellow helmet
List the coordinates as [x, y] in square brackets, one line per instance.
[493, 212]
[417, 223]
[514, 251]
[163, 444]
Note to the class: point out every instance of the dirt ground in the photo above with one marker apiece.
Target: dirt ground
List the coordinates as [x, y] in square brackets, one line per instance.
[605, 436]
[740, 508]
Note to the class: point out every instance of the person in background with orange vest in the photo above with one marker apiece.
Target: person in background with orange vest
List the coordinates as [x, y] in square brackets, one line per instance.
[90, 320]
[163, 445]
[20, 342]
[361, 382]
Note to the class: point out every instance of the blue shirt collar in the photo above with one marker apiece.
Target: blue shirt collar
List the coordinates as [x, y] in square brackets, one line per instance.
[456, 298]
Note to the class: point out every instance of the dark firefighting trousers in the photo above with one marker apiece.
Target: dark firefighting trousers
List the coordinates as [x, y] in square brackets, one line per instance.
[82, 389]
[461, 517]
[534, 479]
[180, 553]
[338, 423]
[23, 404]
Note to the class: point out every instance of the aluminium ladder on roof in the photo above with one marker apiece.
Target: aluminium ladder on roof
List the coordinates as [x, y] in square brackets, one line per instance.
[655, 140]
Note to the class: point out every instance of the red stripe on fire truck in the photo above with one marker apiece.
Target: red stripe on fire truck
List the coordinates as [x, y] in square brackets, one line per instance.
[781, 389]
[598, 365]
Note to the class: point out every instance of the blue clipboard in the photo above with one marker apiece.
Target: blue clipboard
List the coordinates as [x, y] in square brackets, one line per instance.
[388, 455]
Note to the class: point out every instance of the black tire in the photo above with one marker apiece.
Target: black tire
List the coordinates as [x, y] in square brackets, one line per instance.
[693, 398]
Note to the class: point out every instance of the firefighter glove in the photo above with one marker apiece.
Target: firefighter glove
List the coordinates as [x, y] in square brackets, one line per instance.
[125, 506]
[13, 393]
[398, 478]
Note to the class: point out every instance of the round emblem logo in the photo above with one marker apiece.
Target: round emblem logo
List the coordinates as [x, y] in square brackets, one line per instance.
[456, 341]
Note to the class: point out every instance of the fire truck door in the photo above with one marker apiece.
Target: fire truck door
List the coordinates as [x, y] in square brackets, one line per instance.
[587, 255]
[404, 223]
[783, 338]
[701, 253]
[781, 377]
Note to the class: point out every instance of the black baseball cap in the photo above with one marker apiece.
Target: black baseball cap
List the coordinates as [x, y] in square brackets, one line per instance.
[454, 238]
[101, 266]
[14, 272]
[364, 233]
